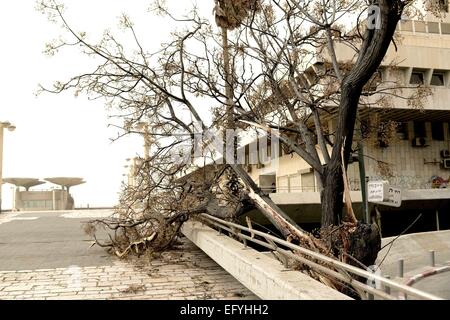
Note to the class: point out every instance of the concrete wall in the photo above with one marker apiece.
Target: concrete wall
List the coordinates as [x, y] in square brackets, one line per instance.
[405, 161]
[264, 276]
[43, 200]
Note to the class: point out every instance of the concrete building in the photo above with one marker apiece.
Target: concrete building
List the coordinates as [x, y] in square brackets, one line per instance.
[420, 156]
[43, 200]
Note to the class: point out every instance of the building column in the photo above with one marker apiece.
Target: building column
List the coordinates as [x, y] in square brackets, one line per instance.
[53, 200]
[14, 199]
[438, 227]
[18, 199]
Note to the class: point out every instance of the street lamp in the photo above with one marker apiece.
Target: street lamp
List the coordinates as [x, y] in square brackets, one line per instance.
[10, 127]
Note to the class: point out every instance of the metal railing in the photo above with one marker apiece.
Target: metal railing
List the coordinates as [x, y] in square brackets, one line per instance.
[425, 274]
[288, 189]
[316, 261]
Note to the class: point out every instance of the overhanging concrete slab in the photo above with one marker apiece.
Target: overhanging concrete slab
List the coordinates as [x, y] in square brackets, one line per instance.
[264, 276]
[294, 198]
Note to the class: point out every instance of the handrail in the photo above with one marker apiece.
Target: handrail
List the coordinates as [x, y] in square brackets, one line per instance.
[324, 259]
[328, 271]
[418, 277]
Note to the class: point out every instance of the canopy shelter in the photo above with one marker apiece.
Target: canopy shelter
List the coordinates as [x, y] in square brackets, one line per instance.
[66, 182]
[27, 183]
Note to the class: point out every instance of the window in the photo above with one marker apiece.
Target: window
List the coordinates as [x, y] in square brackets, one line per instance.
[437, 79]
[437, 131]
[38, 204]
[445, 28]
[282, 184]
[416, 77]
[433, 27]
[419, 129]
[308, 182]
[402, 130]
[419, 26]
[406, 25]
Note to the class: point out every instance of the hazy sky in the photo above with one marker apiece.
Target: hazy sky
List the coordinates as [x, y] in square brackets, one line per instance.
[60, 135]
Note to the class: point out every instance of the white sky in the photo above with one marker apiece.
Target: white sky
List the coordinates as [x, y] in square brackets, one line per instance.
[60, 135]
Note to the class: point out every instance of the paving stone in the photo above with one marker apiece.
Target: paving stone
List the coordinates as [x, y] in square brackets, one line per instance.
[193, 276]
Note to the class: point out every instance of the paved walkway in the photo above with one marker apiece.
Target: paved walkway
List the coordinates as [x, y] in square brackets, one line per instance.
[46, 256]
[414, 250]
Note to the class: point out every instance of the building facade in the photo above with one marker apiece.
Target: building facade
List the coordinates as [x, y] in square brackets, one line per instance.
[43, 200]
[55, 199]
[417, 159]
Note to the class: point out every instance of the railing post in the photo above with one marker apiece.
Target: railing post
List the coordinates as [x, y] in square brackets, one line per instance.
[387, 289]
[432, 258]
[401, 264]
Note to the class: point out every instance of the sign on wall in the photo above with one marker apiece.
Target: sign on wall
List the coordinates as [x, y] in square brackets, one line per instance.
[381, 193]
[375, 191]
[394, 197]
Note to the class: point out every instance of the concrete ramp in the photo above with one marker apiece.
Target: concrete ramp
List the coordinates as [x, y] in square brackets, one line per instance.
[414, 250]
[264, 276]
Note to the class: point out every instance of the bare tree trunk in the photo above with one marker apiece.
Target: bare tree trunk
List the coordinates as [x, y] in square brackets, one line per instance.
[372, 52]
[331, 196]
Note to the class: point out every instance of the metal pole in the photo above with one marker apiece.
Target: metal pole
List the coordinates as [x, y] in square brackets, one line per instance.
[362, 178]
[387, 289]
[401, 265]
[438, 227]
[432, 258]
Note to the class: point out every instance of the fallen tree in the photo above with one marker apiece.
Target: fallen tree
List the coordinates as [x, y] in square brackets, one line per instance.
[254, 74]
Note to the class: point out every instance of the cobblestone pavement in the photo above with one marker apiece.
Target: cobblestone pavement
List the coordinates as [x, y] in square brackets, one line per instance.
[184, 273]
